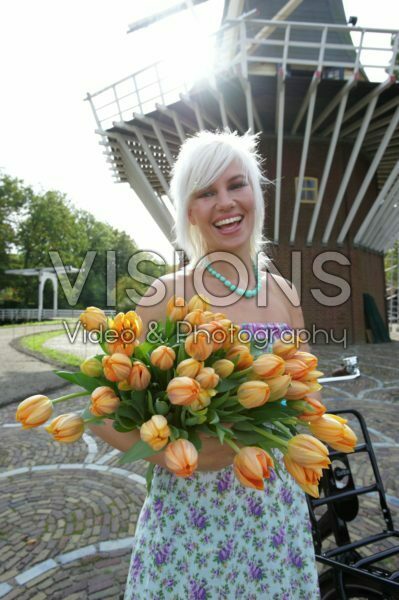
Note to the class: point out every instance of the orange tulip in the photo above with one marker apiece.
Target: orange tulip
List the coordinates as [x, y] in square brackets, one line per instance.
[334, 430]
[195, 317]
[296, 368]
[278, 387]
[207, 378]
[189, 368]
[307, 478]
[245, 358]
[127, 327]
[199, 345]
[268, 365]
[93, 319]
[198, 302]
[311, 377]
[232, 337]
[104, 401]
[139, 377]
[66, 428]
[223, 367]
[251, 465]
[181, 457]
[176, 309]
[286, 349]
[117, 366]
[309, 359]
[314, 410]
[253, 393]
[155, 432]
[183, 391]
[217, 333]
[163, 357]
[34, 411]
[297, 390]
[308, 451]
[203, 400]
[91, 367]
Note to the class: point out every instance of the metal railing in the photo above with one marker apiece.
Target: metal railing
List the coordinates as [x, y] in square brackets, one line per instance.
[242, 45]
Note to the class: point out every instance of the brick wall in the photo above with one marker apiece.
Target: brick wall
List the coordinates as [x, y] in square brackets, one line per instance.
[365, 273]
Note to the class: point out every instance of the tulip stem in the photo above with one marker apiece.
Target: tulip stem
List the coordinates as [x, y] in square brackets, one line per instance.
[69, 396]
[232, 444]
[270, 436]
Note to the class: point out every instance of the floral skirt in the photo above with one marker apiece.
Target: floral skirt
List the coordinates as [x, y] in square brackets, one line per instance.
[207, 537]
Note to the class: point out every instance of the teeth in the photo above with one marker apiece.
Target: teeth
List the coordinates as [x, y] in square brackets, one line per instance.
[227, 221]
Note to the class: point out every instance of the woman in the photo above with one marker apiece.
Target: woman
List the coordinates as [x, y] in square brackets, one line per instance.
[207, 536]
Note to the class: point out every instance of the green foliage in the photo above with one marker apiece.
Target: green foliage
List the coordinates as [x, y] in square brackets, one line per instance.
[32, 224]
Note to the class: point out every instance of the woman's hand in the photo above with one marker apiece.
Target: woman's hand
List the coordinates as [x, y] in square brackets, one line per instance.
[214, 455]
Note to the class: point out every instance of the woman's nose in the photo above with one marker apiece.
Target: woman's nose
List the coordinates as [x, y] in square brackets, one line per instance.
[225, 199]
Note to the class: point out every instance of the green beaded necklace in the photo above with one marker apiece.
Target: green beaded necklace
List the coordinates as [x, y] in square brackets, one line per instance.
[233, 287]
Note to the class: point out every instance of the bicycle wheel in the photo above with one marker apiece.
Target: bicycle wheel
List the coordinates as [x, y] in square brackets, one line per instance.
[355, 588]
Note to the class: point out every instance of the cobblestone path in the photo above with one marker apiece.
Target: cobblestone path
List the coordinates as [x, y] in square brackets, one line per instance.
[68, 512]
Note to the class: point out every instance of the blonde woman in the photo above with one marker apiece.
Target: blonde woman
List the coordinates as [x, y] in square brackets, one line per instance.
[207, 536]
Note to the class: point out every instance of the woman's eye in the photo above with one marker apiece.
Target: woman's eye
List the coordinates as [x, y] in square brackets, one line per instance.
[206, 194]
[238, 185]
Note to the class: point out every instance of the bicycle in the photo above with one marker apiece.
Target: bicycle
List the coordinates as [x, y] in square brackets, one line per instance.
[351, 575]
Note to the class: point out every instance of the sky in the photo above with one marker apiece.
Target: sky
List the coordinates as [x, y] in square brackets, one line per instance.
[53, 53]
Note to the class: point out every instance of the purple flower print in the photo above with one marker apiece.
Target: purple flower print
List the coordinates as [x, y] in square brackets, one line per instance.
[285, 596]
[162, 553]
[278, 539]
[158, 506]
[136, 567]
[198, 518]
[286, 495]
[226, 551]
[273, 475]
[255, 506]
[295, 559]
[256, 571]
[198, 590]
[225, 482]
[145, 515]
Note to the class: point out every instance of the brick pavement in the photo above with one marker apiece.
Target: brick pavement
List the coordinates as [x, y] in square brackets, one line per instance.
[67, 517]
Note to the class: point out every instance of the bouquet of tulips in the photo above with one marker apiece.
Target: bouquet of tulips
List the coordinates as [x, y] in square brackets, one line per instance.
[213, 381]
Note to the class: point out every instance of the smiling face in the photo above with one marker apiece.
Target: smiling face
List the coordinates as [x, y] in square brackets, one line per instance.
[224, 211]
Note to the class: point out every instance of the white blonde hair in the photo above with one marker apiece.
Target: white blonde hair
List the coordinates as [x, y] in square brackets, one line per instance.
[201, 160]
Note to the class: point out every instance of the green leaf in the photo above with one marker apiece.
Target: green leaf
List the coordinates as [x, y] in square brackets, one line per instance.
[149, 476]
[227, 385]
[221, 432]
[139, 451]
[142, 354]
[219, 400]
[126, 422]
[181, 353]
[169, 327]
[244, 426]
[194, 438]
[86, 382]
[126, 410]
[197, 420]
[213, 417]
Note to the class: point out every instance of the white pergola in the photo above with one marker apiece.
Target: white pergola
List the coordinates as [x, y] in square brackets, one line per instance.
[44, 273]
[141, 129]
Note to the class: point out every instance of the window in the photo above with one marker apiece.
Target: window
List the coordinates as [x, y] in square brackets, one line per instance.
[309, 189]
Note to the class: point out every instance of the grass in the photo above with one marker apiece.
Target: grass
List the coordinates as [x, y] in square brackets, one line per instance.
[36, 342]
